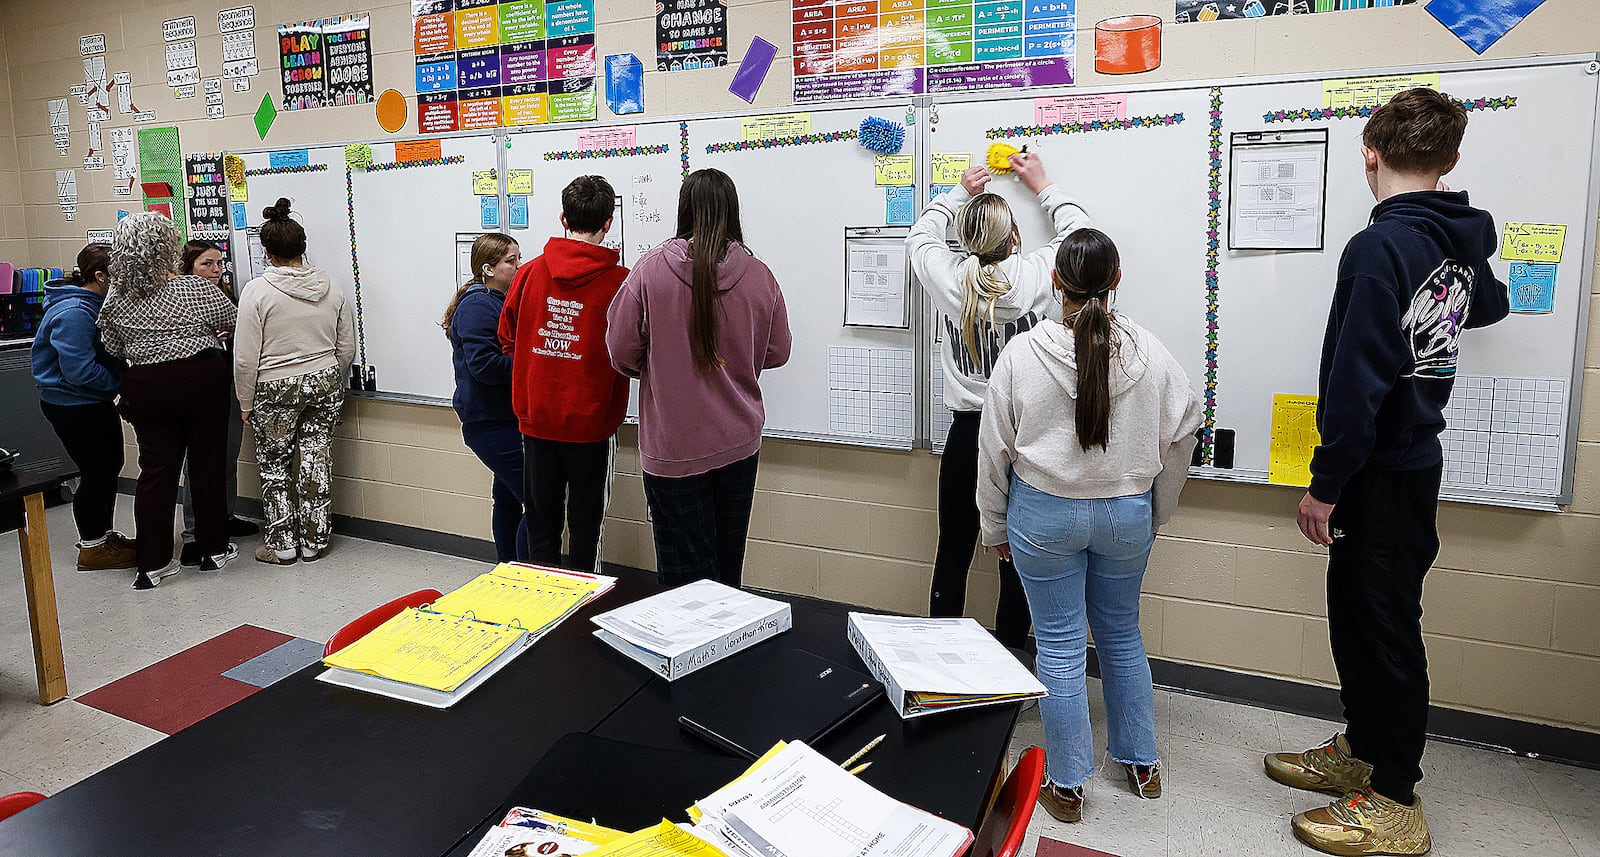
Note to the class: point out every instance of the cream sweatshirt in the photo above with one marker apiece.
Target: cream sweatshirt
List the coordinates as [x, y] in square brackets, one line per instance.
[1031, 299]
[1029, 424]
[292, 321]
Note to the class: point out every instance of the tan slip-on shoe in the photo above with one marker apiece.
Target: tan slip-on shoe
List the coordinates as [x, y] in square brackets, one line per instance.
[1063, 804]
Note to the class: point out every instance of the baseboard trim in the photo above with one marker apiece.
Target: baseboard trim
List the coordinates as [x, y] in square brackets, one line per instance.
[1535, 740]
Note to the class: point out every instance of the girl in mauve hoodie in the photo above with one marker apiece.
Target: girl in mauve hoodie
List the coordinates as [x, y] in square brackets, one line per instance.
[696, 321]
[292, 349]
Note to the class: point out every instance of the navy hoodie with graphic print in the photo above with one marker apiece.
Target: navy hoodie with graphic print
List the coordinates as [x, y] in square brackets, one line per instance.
[1409, 284]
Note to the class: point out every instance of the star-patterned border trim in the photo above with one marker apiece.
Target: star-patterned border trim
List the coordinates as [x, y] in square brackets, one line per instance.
[1156, 121]
[584, 154]
[275, 171]
[1213, 253]
[780, 142]
[683, 147]
[355, 263]
[425, 162]
[1313, 114]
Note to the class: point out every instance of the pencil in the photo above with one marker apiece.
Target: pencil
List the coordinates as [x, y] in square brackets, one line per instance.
[856, 771]
[863, 751]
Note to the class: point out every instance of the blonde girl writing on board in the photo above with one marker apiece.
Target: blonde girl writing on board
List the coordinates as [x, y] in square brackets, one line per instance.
[986, 293]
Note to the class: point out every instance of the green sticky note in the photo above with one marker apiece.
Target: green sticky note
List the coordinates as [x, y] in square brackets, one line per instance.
[266, 114]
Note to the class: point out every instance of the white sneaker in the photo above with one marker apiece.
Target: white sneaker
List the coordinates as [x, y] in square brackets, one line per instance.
[216, 561]
[152, 579]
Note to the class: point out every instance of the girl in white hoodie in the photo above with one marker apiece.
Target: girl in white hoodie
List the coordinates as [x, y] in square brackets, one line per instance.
[1084, 445]
[293, 347]
[986, 293]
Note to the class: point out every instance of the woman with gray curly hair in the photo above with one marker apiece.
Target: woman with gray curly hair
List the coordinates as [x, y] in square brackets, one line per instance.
[170, 328]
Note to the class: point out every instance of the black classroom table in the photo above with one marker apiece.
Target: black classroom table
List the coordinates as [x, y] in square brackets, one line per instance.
[306, 769]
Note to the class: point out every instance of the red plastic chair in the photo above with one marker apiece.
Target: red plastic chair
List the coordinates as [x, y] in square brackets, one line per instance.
[14, 803]
[377, 616]
[1006, 823]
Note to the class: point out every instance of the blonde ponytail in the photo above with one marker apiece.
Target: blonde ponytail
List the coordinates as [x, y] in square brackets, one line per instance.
[988, 231]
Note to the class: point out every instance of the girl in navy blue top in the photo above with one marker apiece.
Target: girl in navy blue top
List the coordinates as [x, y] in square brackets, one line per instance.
[483, 384]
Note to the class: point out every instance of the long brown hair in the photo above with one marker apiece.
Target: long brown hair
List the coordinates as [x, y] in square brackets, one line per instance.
[708, 217]
[1087, 266]
[487, 250]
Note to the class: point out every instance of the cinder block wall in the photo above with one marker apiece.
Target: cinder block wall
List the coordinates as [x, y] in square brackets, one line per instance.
[1510, 609]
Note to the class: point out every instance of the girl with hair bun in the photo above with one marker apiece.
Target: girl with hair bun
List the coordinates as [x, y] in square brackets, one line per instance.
[78, 380]
[1083, 447]
[986, 293]
[170, 328]
[291, 353]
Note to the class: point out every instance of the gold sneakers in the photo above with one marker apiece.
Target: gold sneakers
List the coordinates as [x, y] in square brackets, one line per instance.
[1329, 768]
[1065, 804]
[1365, 822]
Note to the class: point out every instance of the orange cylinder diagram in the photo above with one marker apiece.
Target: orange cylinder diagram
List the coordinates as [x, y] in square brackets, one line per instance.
[1127, 44]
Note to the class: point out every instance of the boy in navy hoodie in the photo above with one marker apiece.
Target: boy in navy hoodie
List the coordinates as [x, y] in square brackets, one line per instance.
[1409, 284]
[568, 400]
[77, 382]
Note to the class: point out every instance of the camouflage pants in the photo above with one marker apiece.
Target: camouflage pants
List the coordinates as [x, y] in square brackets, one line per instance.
[293, 422]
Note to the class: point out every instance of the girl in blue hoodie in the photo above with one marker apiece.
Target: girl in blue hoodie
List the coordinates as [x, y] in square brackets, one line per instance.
[77, 382]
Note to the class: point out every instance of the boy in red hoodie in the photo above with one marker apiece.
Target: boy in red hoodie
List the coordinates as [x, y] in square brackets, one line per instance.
[567, 398]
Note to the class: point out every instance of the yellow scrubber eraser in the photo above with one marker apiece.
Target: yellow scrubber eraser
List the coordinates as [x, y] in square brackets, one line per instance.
[996, 159]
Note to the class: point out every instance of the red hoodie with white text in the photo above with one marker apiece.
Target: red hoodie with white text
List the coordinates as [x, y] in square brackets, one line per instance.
[563, 387]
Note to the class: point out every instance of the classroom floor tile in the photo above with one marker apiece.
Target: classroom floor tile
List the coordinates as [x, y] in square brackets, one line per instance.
[1217, 801]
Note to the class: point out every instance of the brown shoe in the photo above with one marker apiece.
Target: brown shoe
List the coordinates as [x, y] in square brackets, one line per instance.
[1365, 822]
[1330, 768]
[1064, 804]
[1145, 780]
[270, 556]
[107, 555]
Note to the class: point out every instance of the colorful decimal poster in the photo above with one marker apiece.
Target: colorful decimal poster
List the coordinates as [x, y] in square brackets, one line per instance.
[907, 47]
[326, 63]
[487, 64]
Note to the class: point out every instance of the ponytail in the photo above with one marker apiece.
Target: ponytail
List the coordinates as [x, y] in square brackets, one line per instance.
[92, 259]
[988, 232]
[708, 217]
[1087, 268]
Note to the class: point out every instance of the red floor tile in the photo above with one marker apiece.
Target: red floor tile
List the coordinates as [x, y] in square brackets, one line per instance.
[1052, 848]
[188, 687]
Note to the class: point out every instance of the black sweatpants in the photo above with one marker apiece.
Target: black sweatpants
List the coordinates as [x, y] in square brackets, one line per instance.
[958, 535]
[566, 485]
[700, 522]
[179, 408]
[1386, 539]
[92, 436]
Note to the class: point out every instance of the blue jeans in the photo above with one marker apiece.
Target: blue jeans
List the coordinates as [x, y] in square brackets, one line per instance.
[1082, 563]
[498, 444]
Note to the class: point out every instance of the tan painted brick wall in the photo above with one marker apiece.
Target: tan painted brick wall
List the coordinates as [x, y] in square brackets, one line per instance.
[1509, 610]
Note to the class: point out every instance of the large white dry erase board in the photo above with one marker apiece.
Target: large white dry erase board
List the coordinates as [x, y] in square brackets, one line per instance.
[1250, 323]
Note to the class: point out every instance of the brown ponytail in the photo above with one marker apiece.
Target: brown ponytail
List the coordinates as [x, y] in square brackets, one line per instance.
[1087, 269]
[708, 217]
[92, 259]
[487, 251]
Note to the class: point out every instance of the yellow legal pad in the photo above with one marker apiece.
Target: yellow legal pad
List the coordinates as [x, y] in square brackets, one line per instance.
[531, 598]
[426, 649]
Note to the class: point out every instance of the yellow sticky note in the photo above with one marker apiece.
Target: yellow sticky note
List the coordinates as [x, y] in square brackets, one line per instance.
[485, 183]
[776, 125]
[1294, 439]
[239, 192]
[948, 167]
[896, 170]
[519, 181]
[1533, 242]
[1373, 91]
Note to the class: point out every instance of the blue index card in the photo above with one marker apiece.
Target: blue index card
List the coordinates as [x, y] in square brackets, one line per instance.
[291, 158]
[239, 221]
[1480, 24]
[900, 205]
[624, 84]
[519, 211]
[1533, 287]
[491, 211]
[935, 189]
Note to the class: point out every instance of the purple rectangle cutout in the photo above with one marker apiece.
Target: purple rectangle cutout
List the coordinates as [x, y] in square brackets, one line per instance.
[753, 69]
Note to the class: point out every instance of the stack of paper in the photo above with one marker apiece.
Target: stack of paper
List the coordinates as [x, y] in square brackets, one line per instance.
[534, 833]
[930, 665]
[684, 629]
[438, 654]
[796, 803]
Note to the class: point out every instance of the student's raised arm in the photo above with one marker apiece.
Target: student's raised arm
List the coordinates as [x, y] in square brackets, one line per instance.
[932, 260]
[1066, 215]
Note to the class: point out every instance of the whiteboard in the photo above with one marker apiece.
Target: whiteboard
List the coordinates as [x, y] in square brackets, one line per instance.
[1512, 423]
